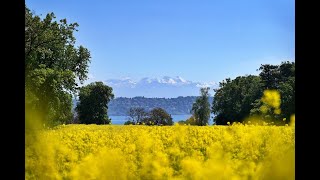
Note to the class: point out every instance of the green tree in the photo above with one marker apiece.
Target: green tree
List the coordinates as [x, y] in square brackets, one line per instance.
[282, 78]
[201, 108]
[286, 70]
[233, 99]
[268, 107]
[52, 66]
[93, 103]
[273, 75]
[182, 122]
[287, 91]
[159, 117]
[128, 122]
[270, 76]
[137, 114]
[191, 120]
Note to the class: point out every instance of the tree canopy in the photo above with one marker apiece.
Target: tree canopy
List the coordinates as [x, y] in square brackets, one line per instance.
[159, 116]
[281, 78]
[239, 98]
[137, 114]
[201, 108]
[93, 103]
[53, 65]
[232, 100]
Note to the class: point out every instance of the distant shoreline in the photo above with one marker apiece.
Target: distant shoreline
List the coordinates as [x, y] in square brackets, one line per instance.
[120, 120]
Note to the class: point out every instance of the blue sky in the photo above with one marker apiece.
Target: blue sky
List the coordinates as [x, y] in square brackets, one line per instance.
[198, 40]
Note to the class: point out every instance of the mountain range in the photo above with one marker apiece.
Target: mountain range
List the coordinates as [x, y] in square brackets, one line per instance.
[165, 87]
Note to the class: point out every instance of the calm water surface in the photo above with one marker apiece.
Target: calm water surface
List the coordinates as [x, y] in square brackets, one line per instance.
[122, 119]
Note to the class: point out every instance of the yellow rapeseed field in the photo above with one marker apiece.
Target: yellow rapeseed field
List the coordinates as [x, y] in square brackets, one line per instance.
[87, 152]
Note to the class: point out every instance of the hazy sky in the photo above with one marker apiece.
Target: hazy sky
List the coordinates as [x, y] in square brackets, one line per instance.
[198, 40]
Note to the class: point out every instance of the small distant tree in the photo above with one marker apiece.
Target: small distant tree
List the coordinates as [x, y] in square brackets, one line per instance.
[191, 120]
[201, 107]
[128, 122]
[137, 114]
[182, 122]
[159, 116]
[93, 105]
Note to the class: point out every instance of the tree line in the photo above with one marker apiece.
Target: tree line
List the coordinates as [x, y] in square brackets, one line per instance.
[240, 98]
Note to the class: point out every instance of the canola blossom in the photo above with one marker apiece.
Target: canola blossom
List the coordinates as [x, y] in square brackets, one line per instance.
[237, 151]
[271, 98]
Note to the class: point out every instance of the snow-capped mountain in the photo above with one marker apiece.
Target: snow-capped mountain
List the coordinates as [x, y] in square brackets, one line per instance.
[157, 87]
[125, 82]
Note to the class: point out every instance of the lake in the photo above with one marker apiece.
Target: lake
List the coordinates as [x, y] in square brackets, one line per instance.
[123, 119]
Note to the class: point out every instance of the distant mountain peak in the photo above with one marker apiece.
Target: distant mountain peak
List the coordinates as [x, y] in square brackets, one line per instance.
[181, 79]
[165, 86]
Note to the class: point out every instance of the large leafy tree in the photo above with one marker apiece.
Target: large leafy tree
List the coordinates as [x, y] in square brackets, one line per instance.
[281, 78]
[201, 108]
[233, 99]
[159, 116]
[137, 114]
[93, 103]
[53, 65]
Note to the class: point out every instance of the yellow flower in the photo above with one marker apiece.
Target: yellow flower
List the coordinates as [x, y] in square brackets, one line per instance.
[167, 152]
[264, 109]
[272, 98]
[277, 111]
